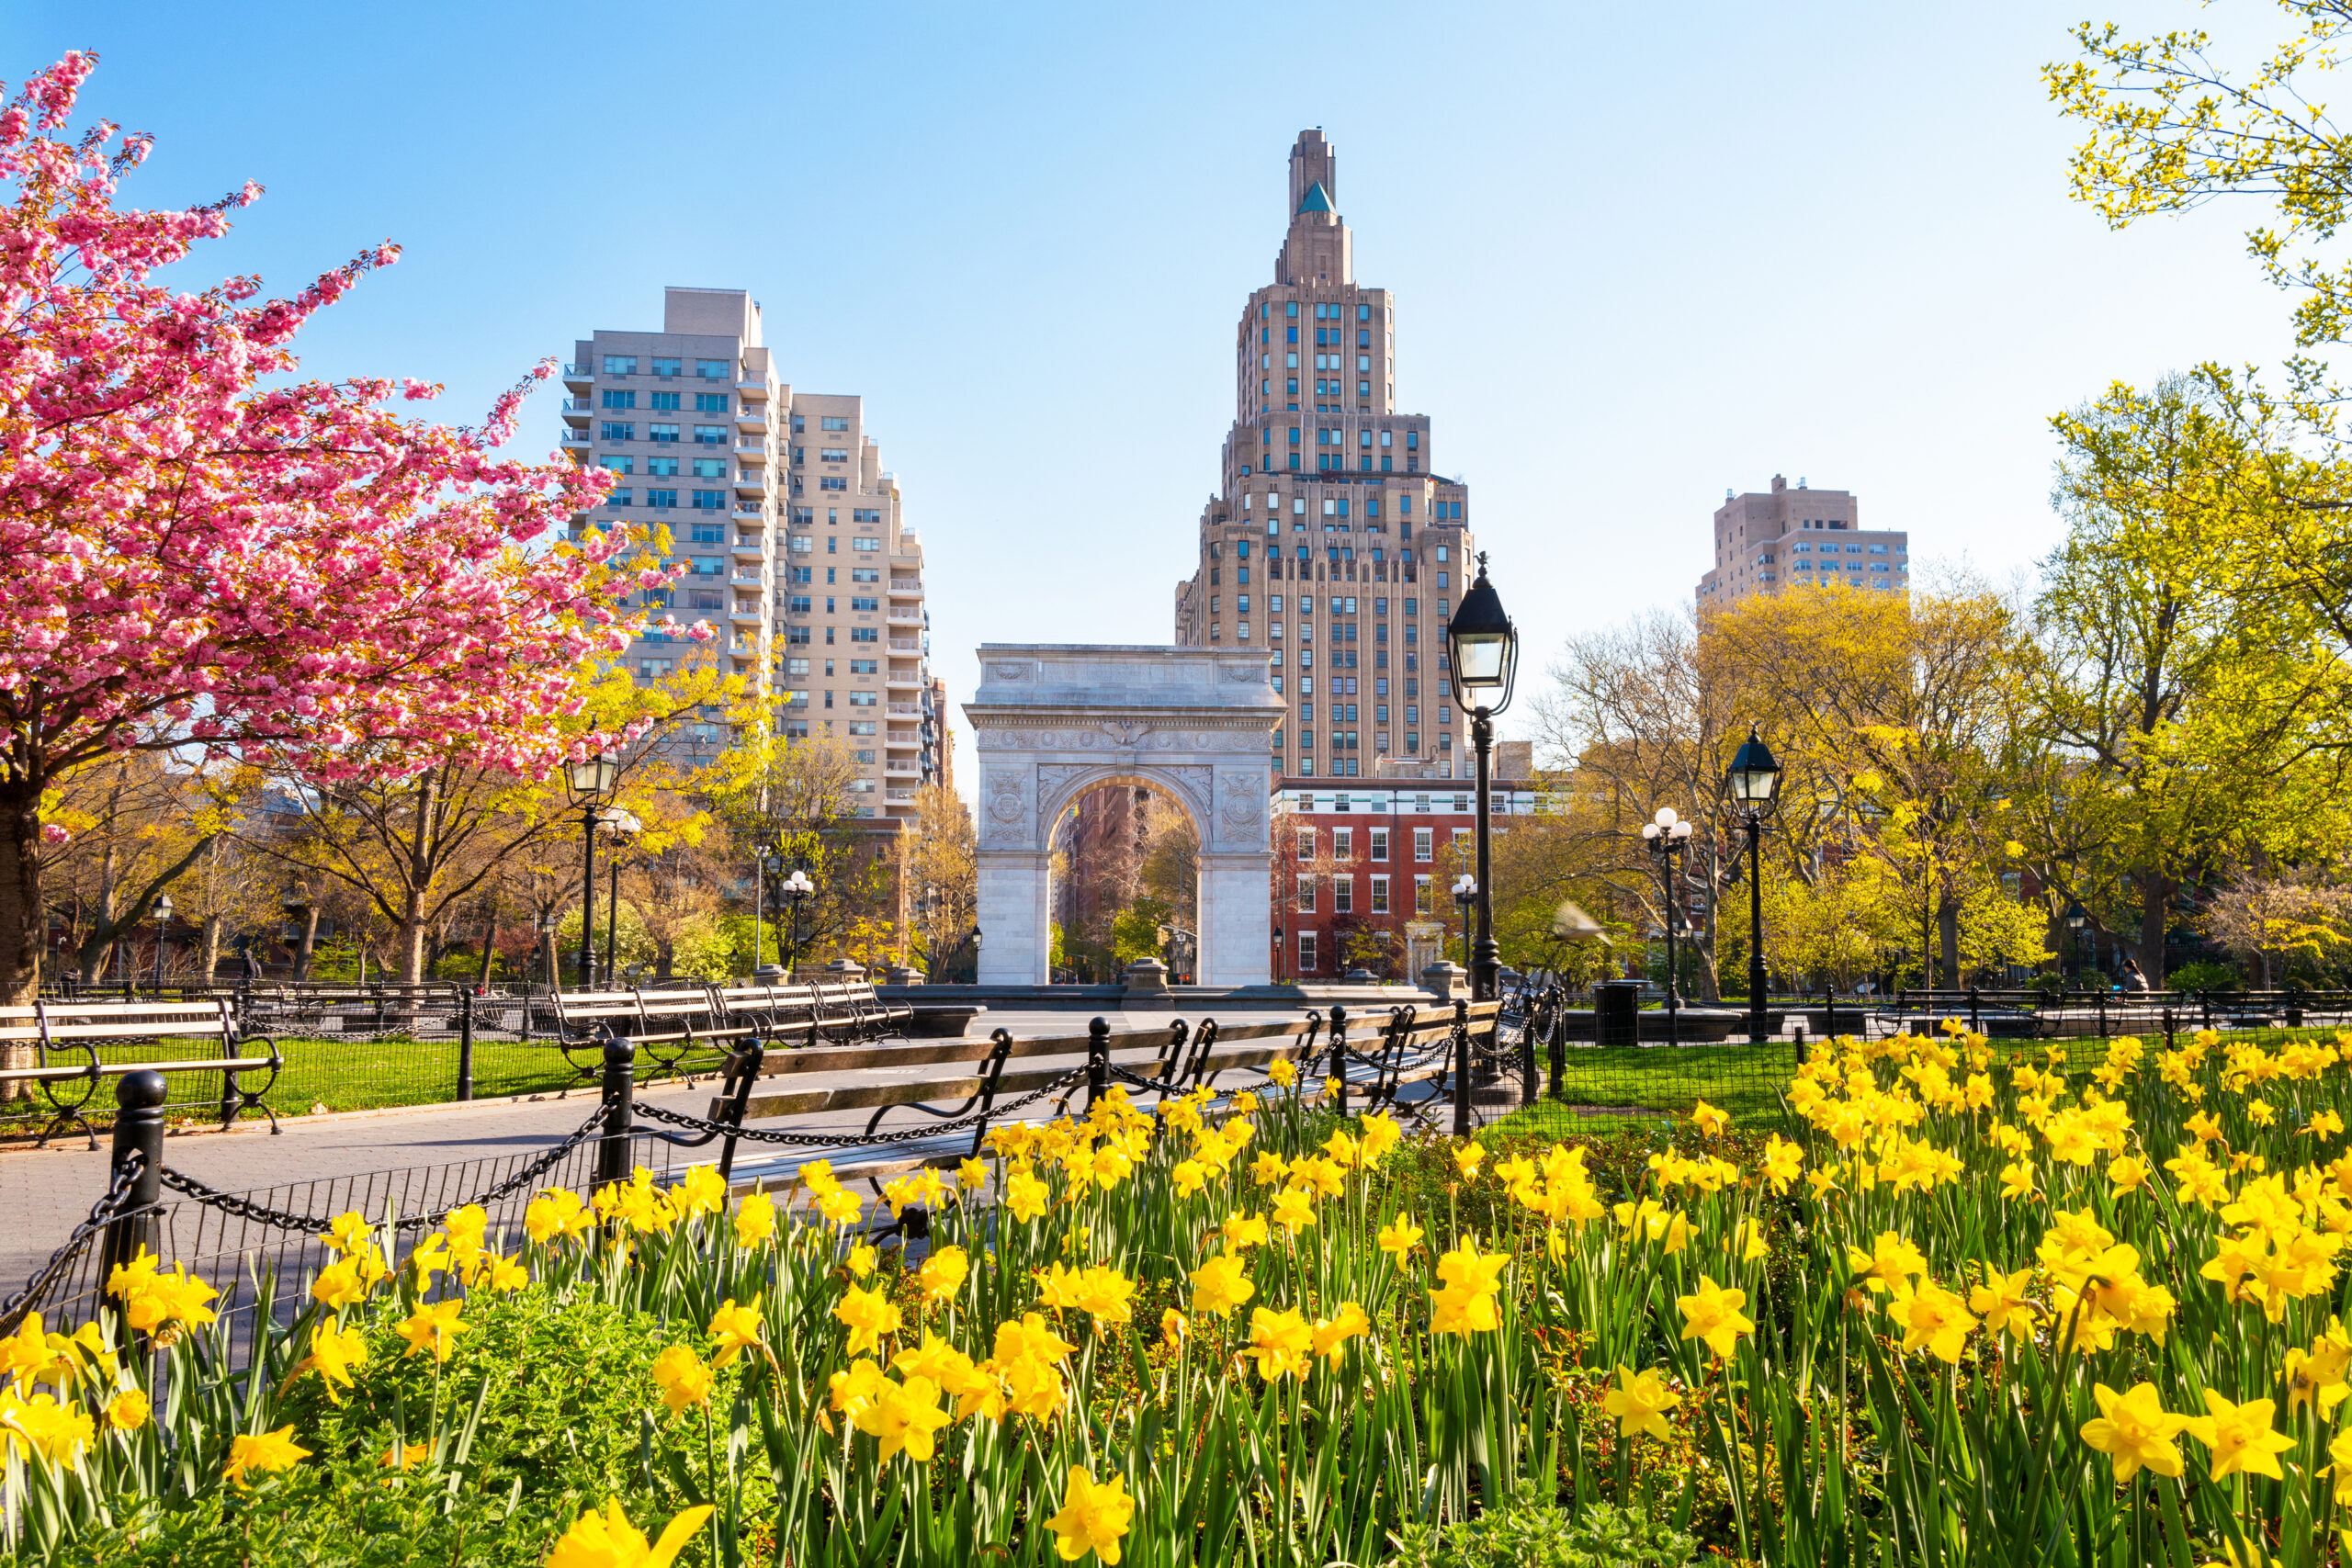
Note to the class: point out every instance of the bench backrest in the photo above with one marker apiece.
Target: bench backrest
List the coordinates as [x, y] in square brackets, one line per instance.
[62, 1022]
[620, 1009]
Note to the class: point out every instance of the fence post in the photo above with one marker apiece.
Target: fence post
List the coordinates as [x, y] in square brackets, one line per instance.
[2102, 1015]
[1338, 1053]
[1098, 1060]
[2168, 1029]
[620, 1109]
[465, 1044]
[1460, 1067]
[138, 1134]
[1528, 1091]
[1559, 1046]
[1975, 1025]
[2205, 1000]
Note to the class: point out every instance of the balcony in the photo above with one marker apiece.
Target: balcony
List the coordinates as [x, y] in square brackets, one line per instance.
[905, 741]
[575, 438]
[744, 614]
[917, 617]
[579, 375]
[902, 770]
[742, 575]
[754, 420]
[752, 485]
[575, 410]
[905, 710]
[910, 679]
[750, 508]
[751, 390]
[905, 645]
[899, 797]
[905, 588]
[751, 452]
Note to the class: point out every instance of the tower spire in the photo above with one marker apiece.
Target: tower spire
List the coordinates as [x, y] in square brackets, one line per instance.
[1317, 251]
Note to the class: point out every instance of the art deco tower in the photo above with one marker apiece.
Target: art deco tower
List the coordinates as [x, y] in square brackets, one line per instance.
[1331, 542]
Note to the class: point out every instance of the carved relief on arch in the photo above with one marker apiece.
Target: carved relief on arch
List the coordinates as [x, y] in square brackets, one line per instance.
[1190, 783]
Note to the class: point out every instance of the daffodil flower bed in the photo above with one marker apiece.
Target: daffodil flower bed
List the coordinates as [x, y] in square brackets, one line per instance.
[1951, 1309]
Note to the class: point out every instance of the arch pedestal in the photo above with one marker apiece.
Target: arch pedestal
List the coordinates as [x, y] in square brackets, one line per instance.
[1052, 720]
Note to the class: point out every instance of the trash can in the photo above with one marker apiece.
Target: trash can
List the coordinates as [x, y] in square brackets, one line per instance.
[1616, 1012]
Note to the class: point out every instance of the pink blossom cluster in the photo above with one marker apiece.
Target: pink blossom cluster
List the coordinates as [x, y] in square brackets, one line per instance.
[292, 570]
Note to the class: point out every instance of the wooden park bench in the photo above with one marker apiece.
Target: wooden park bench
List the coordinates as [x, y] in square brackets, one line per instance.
[666, 1025]
[796, 1015]
[61, 1029]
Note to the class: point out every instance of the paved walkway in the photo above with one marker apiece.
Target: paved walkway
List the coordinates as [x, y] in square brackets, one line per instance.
[45, 1192]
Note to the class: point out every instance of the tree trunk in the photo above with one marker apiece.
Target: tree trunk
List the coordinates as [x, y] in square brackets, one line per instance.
[24, 929]
[664, 954]
[212, 927]
[1948, 938]
[2155, 915]
[309, 944]
[408, 943]
[489, 949]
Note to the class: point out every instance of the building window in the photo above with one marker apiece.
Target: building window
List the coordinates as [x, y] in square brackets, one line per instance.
[1306, 895]
[1343, 895]
[1306, 845]
[618, 432]
[710, 402]
[620, 364]
[705, 435]
[1380, 896]
[714, 369]
[665, 403]
[617, 465]
[830, 481]
[662, 468]
[1344, 841]
[1305, 952]
[664, 366]
[661, 498]
[832, 422]
[615, 400]
[1421, 894]
[710, 500]
[662, 432]
[1380, 843]
[714, 468]
[1424, 850]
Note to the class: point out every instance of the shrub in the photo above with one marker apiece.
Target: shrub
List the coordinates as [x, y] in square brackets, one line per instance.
[1529, 1532]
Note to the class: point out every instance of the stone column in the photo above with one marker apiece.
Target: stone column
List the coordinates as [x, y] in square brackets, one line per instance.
[1016, 941]
[1236, 919]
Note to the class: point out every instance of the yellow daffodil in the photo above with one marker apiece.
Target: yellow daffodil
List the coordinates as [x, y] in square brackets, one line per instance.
[609, 1540]
[1640, 1401]
[269, 1452]
[2136, 1431]
[1094, 1516]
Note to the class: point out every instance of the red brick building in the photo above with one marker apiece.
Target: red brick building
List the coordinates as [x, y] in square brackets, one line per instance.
[1364, 873]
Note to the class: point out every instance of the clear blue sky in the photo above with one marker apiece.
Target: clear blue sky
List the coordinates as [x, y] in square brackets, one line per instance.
[1641, 253]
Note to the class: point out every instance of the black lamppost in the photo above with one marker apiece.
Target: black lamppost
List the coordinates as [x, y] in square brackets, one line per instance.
[2077, 918]
[617, 822]
[163, 919]
[1482, 648]
[976, 955]
[1280, 955]
[591, 777]
[1752, 782]
[1465, 887]
[1668, 835]
[795, 890]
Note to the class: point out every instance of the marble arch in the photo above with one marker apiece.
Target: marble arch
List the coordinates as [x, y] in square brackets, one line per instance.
[1052, 720]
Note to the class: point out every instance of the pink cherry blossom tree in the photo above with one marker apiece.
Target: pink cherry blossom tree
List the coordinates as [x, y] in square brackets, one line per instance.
[200, 551]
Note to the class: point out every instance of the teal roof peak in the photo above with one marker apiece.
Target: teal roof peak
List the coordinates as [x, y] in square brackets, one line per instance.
[1316, 201]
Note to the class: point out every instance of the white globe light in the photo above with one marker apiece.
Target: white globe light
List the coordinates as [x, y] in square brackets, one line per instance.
[1649, 829]
[1665, 818]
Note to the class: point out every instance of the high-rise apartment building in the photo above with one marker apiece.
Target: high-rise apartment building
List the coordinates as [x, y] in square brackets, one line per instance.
[791, 530]
[1765, 542]
[1331, 541]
